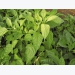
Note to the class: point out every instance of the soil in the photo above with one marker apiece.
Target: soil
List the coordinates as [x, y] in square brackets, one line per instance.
[66, 11]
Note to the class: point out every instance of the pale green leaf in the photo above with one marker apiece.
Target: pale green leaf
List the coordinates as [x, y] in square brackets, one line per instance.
[38, 17]
[43, 13]
[54, 21]
[36, 27]
[8, 22]
[21, 22]
[45, 28]
[3, 30]
[54, 18]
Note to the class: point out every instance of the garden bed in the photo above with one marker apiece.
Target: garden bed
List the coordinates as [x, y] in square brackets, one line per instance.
[37, 37]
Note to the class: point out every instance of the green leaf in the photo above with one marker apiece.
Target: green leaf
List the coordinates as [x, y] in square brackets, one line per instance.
[49, 18]
[17, 34]
[37, 17]
[55, 52]
[6, 60]
[53, 56]
[43, 13]
[70, 55]
[29, 18]
[28, 37]
[42, 48]
[29, 53]
[72, 62]
[1, 18]
[16, 23]
[14, 12]
[8, 22]
[13, 63]
[3, 30]
[8, 49]
[71, 46]
[14, 43]
[15, 50]
[18, 60]
[46, 61]
[16, 57]
[54, 21]
[21, 22]
[69, 37]
[2, 53]
[61, 61]
[49, 40]
[20, 45]
[36, 27]
[37, 40]
[45, 28]
[53, 12]
[73, 51]
[62, 42]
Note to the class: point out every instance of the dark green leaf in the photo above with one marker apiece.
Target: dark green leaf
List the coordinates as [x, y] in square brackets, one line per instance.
[49, 40]
[72, 62]
[53, 57]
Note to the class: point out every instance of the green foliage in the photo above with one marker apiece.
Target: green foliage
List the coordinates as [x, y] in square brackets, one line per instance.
[37, 37]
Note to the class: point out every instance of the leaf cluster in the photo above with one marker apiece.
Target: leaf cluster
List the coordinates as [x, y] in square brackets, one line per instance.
[36, 37]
